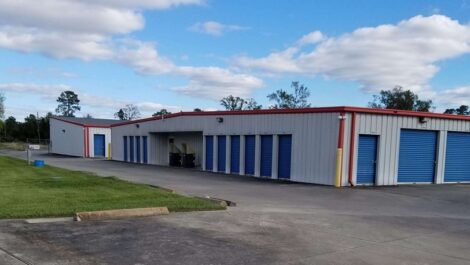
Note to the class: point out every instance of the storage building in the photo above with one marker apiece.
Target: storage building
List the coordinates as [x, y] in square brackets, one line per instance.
[82, 137]
[332, 146]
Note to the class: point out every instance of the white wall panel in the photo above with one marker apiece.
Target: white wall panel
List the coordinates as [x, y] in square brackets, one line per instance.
[66, 138]
[107, 139]
[388, 128]
[314, 137]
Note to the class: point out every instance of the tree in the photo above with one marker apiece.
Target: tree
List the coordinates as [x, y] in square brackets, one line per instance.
[129, 112]
[397, 98]
[11, 128]
[197, 110]
[238, 103]
[88, 116]
[286, 100]
[161, 112]
[251, 104]
[68, 104]
[2, 106]
[232, 103]
[462, 110]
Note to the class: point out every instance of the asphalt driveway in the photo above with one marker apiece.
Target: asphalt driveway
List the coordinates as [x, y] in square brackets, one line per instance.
[273, 223]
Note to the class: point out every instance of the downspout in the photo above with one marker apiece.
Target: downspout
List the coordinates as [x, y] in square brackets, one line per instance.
[352, 139]
[339, 151]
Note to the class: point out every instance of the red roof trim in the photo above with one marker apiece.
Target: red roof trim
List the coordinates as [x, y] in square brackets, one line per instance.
[81, 124]
[303, 111]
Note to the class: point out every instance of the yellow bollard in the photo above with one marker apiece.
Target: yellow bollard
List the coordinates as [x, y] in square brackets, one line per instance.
[339, 160]
[109, 151]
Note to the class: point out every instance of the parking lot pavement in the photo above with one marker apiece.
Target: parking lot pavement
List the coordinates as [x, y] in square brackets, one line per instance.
[273, 223]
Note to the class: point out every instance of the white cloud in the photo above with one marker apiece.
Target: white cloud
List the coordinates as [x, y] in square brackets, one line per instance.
[214, 28]
[97, 29]
[97, 106]
[82, 29]
[453, 97]
[215, 83]
[143, 58]
[311, 38]
[379, 57]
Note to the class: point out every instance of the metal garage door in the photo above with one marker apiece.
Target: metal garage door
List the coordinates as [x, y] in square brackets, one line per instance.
[235, 154]
[124, 138]
[417, 156]
[266, 155]
[250, 147]
[209, 152]
[145, 149]
[366, 159]
[457, 167]
[137, 145]
[99, 145]
[221, 152]
[131, 148]
[284, 158]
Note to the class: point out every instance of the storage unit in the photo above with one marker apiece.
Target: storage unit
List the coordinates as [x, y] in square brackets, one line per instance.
[367, 159]
[99, 145]
[131, 148]
[235, 154]
[209, 152]
[221, 152]
[145, 149]
[417, 156]
[266, 155]
[250, 149]
[82, 137]
[457, 167]
[126, 147]
[284, 157]
[338, 146]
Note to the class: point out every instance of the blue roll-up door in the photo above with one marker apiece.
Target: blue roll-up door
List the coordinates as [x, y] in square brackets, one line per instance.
[145, 149]
[131, 148]
[99, 145]
[417, 156]
[235, 154]
[457, 167]
[366, 159]
[124, 138]
[284, 157]
[221, 152]
[266, 155]
[209, 152]
[250, 149]
[137, 149]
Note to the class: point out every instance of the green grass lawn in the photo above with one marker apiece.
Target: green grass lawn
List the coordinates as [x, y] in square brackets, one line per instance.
[27, 191]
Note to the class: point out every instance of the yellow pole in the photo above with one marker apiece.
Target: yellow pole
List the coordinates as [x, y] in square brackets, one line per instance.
[109, 151]
[339, 159]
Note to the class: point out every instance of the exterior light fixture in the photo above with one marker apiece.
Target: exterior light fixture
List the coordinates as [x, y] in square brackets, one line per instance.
[423, 119]
[220, 119]
[137, 125]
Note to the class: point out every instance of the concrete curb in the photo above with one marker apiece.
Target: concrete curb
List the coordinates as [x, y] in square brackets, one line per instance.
[121, 213]
[221, 202]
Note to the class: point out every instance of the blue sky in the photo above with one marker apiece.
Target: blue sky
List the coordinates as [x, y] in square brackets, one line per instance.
[183, 54]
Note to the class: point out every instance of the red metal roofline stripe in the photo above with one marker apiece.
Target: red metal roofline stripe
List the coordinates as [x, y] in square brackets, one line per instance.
[302, 111]
[81, 124]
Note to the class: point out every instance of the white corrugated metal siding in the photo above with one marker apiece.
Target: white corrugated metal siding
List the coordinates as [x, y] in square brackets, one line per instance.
[388, 127]
[66, 138]
[314, 138]
[107, 139]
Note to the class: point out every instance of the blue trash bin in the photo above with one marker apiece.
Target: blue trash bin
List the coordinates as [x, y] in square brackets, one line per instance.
[39, 163]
